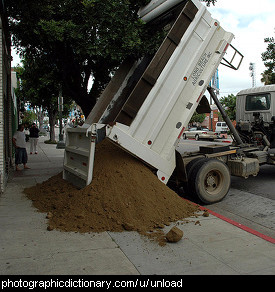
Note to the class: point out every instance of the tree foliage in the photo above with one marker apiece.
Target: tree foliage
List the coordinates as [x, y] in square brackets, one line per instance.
[84, 40]
[229, 104]
[197, 118]
[269, 61]
[39, 87]
[209, 2]
[28, 118]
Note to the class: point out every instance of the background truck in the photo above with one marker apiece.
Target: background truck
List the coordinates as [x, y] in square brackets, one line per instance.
[255, 116]
[149, 102]
[221, 128]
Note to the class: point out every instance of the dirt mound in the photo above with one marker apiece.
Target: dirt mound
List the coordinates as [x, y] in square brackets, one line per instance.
[124, 195]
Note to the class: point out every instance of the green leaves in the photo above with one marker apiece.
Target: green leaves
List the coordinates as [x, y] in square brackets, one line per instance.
[229, 104]
[208, 2]
[81, 39]
[55, 30]
[269, 61]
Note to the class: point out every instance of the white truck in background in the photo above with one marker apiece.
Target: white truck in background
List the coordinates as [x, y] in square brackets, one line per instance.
[150, 101]
[221, 128]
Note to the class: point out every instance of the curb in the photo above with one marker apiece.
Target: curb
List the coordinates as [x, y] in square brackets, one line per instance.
[235, 223]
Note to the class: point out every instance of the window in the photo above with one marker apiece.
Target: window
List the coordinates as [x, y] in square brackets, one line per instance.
[257, 102]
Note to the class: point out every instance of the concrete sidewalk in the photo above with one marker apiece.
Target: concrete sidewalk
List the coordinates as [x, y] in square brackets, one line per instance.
[210, 246]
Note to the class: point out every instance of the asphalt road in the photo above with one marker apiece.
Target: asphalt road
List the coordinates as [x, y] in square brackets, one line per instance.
[250, 201]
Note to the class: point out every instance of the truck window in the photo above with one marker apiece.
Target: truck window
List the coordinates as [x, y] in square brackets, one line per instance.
[257, 102]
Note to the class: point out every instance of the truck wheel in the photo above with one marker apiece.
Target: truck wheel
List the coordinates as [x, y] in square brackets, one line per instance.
[189, 168]
[197, 137]
[210, 180]
[184, 136]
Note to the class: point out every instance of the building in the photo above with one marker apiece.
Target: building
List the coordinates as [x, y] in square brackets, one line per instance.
[212, 118]
[7, 107]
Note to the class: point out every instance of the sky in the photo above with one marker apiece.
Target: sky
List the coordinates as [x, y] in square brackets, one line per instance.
[251, 21]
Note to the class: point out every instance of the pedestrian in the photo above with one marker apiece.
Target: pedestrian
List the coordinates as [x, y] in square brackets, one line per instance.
[19, 142]
[34, 135]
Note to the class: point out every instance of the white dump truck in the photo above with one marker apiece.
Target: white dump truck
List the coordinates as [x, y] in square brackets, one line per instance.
[149, 102]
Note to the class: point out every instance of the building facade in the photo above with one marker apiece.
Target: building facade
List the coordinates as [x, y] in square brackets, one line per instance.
[6, 104]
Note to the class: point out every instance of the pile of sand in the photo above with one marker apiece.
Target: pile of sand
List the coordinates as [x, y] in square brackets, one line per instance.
[124, 195]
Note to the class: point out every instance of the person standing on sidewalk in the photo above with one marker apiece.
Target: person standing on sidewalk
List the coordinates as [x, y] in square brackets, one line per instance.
[19, 142]
[34, 135]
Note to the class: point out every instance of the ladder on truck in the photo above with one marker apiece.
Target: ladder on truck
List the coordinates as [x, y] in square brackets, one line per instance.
[149, 102]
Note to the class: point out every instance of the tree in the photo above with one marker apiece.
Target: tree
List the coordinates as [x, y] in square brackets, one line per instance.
[209, 2]
[197, 118]
[28, 118]
[39, 86]
[229, 104]
[85, 39]
[269, 61]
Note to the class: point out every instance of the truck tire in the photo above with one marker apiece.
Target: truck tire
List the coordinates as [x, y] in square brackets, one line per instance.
[197, 137]
[184, 136]
[210, 180]
[189, 168]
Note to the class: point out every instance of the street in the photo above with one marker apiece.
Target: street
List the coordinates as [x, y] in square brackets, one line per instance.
[249, 201]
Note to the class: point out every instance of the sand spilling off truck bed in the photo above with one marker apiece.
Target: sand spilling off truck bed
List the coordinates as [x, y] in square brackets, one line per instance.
[124, 195]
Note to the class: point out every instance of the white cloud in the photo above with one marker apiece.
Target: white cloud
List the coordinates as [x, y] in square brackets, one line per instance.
[250, 21]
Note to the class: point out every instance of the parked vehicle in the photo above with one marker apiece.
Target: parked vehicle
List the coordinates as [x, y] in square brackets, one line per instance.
[221, 128]
[46, 127]
[199, 133]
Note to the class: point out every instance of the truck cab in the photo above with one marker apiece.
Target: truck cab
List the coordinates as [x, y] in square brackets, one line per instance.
[255, 114]
[256, 99]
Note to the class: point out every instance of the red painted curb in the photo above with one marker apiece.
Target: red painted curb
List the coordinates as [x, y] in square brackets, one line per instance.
[237, 224]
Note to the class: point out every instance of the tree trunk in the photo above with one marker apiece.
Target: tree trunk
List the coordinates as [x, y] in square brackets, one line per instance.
[40, 117]
[52, 119]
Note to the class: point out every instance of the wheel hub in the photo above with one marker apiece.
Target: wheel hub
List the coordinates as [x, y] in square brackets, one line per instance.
[212, 181]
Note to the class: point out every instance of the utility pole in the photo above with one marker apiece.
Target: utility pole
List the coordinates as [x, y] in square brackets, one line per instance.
[60, 143]
[215, 84]
[252, 73]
